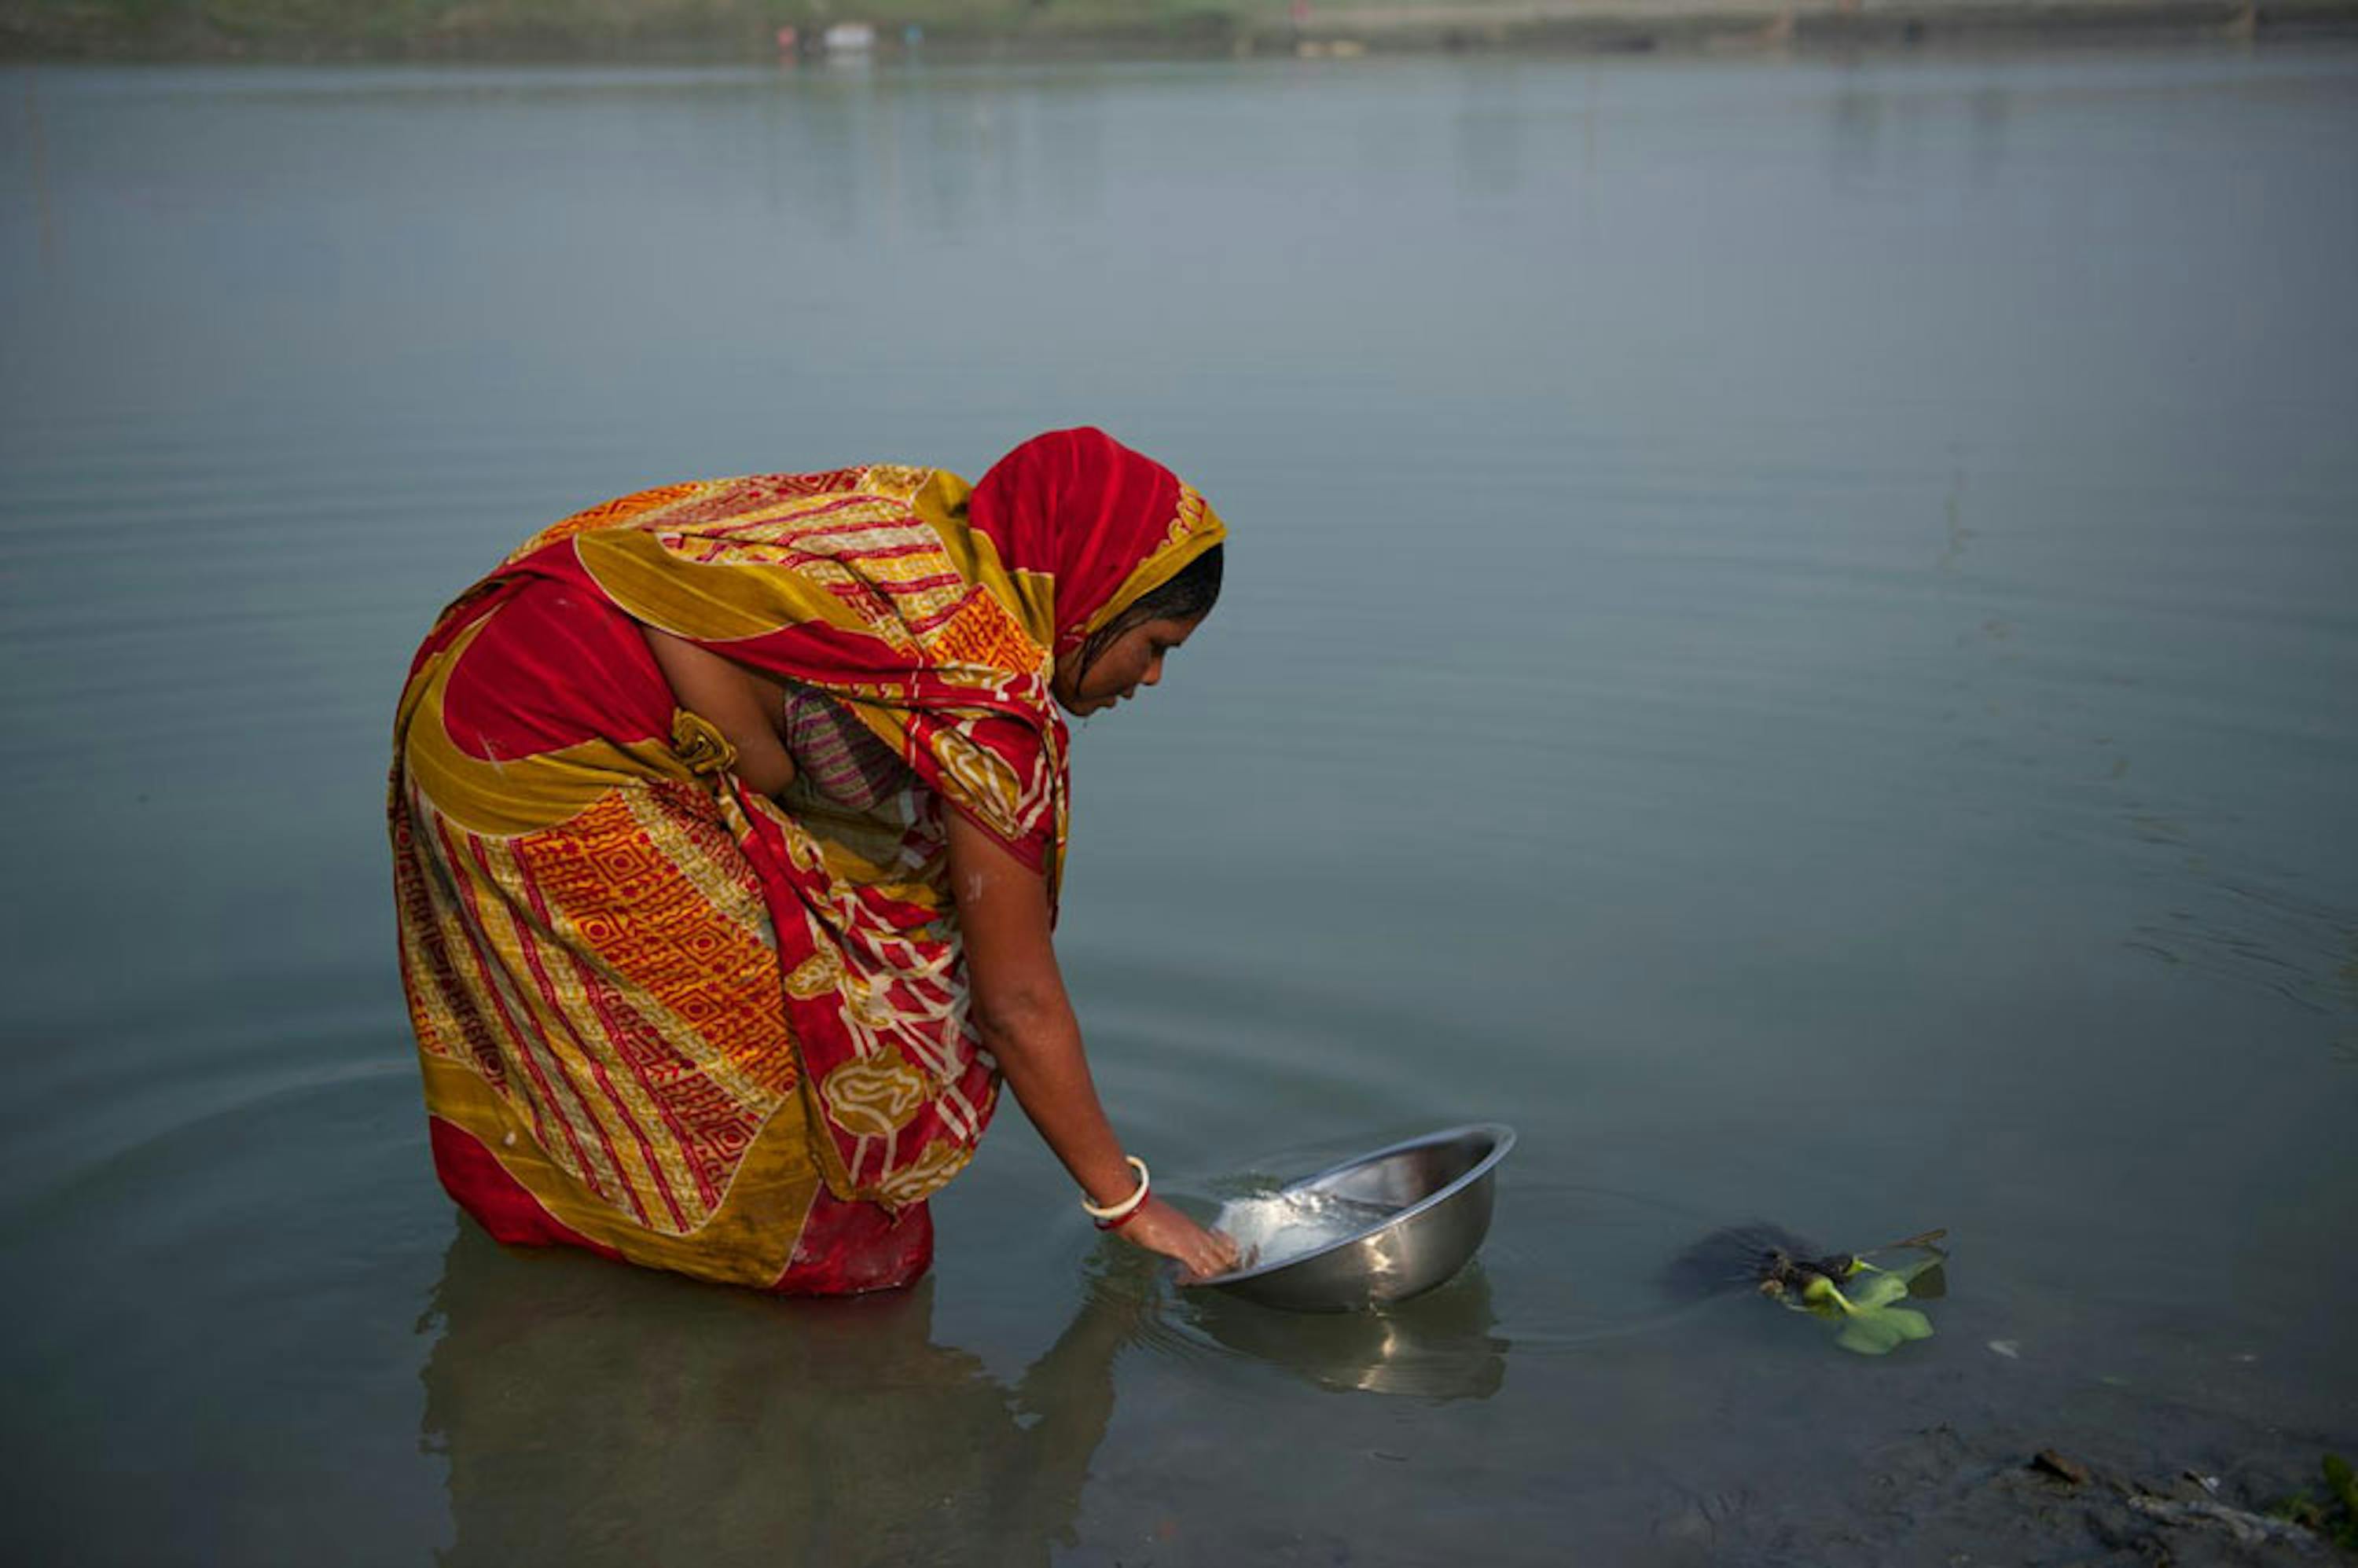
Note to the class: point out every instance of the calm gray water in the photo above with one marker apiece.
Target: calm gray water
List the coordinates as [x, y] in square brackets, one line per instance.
[1792, 634]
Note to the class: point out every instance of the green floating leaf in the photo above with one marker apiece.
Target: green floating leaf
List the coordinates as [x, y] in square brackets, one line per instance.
[1883, 1330]
[1868, 1336]
[1880, 1291]
[1911, 1324]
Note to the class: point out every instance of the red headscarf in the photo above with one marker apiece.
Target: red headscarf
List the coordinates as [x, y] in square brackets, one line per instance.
[1082, 509]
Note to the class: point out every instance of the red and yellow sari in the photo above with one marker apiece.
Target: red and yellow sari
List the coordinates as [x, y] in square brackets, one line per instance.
[674, 1021]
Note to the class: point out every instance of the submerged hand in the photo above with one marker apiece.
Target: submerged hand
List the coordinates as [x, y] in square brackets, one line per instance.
[1159, 1228]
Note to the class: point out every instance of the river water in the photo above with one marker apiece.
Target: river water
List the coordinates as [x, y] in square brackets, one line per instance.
[1790, 633]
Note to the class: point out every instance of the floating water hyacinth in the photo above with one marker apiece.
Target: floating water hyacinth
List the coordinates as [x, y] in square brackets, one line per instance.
[1846, 1288]
[1873, 1323]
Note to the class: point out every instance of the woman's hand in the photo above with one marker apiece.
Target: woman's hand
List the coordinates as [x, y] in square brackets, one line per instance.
[1159, 1228]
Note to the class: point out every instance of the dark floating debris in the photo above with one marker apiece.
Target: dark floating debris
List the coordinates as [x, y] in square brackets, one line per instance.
[2060, 1465]
[1796, 1274]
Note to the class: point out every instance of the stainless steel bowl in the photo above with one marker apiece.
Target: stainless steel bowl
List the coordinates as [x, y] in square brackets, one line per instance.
[1439, 1190]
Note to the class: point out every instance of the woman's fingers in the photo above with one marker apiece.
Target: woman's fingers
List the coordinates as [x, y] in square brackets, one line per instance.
[1201, 1253]
[1225, 1254]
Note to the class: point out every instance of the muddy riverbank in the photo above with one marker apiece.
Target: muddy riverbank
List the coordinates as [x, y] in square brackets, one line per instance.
[745, 30]
[2212, 1497]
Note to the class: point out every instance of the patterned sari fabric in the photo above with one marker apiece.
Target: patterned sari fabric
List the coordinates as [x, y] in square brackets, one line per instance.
[673, 1021]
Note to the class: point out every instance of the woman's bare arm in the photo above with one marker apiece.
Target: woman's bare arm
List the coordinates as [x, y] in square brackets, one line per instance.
[1019, 1008]
[733, 699]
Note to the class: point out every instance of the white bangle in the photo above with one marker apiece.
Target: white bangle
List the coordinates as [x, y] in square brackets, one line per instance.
[1123, 1210]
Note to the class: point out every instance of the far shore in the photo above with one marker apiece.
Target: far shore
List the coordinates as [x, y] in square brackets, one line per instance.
[746, 31]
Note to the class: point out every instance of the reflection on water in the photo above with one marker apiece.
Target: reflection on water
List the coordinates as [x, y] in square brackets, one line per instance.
[1488, 137]
[1990, 107]
[37, 163]
[1881, 129]
[588, 1413]
[1439, 1346]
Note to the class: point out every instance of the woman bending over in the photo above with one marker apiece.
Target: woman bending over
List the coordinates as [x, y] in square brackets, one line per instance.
[727, 821]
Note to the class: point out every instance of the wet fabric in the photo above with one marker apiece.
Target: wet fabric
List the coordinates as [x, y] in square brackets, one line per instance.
[669, 1019]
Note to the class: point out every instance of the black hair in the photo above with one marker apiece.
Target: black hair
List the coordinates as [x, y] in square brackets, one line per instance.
[1189, 596]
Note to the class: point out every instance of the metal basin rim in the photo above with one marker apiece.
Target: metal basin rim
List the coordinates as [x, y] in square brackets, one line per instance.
[1502, 1139]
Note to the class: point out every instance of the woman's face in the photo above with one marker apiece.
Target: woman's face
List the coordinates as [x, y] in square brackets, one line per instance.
[1132, 660]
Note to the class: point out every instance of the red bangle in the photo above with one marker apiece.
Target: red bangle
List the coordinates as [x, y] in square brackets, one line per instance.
[1120, 1220]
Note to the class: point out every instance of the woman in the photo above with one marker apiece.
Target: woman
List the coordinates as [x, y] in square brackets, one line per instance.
[728, 820]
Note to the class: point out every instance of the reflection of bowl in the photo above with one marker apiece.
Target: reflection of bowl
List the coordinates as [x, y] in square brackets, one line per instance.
[1435, 1195]
[1439, 1346]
